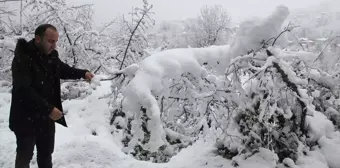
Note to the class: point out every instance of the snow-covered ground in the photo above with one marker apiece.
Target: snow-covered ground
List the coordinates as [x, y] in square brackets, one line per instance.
[77, 147]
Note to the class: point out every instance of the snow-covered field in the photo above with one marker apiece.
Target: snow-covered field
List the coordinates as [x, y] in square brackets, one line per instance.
[77, 147]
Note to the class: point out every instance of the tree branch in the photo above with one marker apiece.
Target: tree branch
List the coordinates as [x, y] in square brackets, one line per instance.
[130, 39]
[72, 49]
[287, 29]
[294, 88]
[321, 53]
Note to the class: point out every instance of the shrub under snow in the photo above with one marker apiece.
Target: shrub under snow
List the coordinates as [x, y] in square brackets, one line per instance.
[249, 96]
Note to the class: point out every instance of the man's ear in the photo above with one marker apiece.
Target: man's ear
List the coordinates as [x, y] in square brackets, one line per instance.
[38, 39]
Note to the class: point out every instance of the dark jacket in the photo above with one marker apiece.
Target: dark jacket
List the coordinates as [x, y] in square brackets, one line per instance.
[36, 87]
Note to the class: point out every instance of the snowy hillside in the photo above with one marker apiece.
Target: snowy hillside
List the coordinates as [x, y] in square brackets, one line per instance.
[318, 21]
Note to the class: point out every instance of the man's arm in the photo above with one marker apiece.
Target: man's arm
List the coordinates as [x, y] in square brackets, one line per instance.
[67, 72]
[22, 86]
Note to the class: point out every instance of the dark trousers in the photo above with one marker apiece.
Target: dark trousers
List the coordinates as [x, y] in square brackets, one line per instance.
[25, 146]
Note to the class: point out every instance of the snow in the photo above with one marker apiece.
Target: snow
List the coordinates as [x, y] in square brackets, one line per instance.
[330, 149]
[8, 43]
[90, 141]
[77, 147]
[251, 33]
[318, 125]
[313, 159]
[148, 79]
[319, 25]
[322, 39]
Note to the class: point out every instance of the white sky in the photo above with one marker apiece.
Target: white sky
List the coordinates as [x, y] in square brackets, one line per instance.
[106, 10]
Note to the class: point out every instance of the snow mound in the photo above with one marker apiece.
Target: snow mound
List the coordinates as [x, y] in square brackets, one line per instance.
[330, 148]
[147, 82]
[88, 152]
[264, 159]
[319, 126]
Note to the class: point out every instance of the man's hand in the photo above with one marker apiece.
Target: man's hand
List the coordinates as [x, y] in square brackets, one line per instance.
[89, 76]
[56, 114]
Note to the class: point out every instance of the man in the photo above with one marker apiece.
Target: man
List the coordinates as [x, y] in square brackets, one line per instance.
[36, 103]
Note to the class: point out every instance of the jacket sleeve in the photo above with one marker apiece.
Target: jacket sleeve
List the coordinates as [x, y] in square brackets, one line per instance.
[67, 72]
[22, 86]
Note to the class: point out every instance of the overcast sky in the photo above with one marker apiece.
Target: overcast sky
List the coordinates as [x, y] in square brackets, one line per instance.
[106, 10]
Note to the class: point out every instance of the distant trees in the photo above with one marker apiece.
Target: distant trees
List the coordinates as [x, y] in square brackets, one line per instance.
[209, 27]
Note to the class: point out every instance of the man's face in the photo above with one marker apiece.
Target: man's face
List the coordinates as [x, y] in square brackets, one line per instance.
[49, 41]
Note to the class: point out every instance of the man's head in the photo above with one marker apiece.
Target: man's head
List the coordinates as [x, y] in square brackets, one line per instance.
[46, 37]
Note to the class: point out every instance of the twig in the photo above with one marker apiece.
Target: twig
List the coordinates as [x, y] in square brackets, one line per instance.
[303, 48]
[185, 112]
[325, 48]
[162, 105]
[130, 39]
[287, 29]
[90, 49]
[81, 6]
[219, 125]
[97, 69]
[170, 105]
[115, 57]
[69, 40]
[107, 25]
[178, 98]
[3, 11]
[114, 77]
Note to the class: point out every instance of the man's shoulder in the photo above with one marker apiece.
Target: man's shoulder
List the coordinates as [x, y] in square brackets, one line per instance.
[22, 52]
[22, 46]
[25, 48]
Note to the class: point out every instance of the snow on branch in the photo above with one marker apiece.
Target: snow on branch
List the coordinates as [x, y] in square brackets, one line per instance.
[151, 79]
[251, 34]
[169, 64]
[294, 88]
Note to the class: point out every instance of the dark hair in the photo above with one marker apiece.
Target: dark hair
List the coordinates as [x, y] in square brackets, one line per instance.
[40, 31]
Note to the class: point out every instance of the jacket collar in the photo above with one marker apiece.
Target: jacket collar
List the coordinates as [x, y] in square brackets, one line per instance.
[34, 49]
[25, 47]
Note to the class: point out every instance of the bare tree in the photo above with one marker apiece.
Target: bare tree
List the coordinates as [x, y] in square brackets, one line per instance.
[5, 17]
[132, 37]
[209, 26]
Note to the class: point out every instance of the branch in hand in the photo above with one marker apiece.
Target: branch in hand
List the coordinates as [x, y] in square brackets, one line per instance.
[114, 77]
